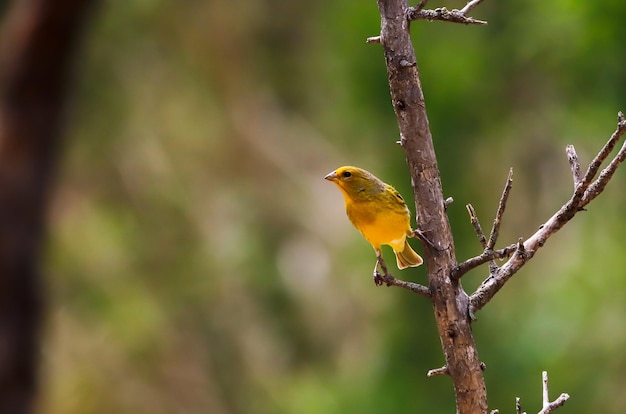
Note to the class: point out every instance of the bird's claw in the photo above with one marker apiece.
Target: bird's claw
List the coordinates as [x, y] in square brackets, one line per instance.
[378, 279]
[386, 278]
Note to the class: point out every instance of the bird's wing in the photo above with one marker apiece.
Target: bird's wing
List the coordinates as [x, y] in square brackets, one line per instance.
[396, 195]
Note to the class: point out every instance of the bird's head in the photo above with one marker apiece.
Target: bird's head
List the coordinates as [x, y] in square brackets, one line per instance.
[354, 181]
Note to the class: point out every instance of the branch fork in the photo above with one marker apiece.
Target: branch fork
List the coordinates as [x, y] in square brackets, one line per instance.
[547, 406]
[419, 12]
[453, 308]
[586, 188]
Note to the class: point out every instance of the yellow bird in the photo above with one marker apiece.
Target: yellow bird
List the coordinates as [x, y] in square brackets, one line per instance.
[379, 212]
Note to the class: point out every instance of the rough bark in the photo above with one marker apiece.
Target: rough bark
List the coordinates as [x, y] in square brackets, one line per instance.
[449, 301]
[37, 43]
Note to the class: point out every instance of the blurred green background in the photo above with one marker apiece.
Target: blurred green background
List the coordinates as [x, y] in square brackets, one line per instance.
[199, 263]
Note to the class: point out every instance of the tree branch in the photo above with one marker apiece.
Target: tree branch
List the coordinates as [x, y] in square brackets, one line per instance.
[488, 254]
[476, 224]
[547, 406]
[443, 14]
[597, 161]
[421, 5]
[470, 5]
[453, 16]
[390, 280]
[484, 257]
[495, 229]
[449, 300]
[598, 185]
[584, 192]
[38, 45]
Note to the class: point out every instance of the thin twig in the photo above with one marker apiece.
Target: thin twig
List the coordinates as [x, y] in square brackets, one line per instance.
[421, 5]
[495, 230]
[545, 398]
[559, 402]
[598, 185]
[594, 165]
[484, 257]
[438, 371]
[574, 165]
[447, 202]
[518, 406]
[470, 5]
[488, 254]
[547, 406]
[373, 39]
[476, 224]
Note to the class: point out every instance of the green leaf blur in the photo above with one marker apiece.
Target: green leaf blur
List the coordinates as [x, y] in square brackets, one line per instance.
[199, 263]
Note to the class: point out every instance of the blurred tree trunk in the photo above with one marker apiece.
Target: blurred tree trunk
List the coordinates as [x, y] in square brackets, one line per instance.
[37, 45]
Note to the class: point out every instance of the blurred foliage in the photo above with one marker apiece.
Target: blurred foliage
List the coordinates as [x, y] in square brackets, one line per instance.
[198, 263]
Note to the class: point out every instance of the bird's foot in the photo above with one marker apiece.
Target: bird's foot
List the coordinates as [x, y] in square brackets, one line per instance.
[378, 278]
[385, 277]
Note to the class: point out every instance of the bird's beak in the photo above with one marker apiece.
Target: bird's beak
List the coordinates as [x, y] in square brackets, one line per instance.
[331, 177]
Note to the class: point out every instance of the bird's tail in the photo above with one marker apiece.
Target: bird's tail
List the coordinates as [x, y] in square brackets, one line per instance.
[407, 257]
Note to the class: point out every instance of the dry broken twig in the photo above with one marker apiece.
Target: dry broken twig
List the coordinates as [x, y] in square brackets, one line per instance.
[495, 229]
[547, 406]
[488, 254]
[438, 371]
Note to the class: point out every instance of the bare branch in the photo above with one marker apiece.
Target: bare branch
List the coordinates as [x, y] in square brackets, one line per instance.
[390, 280]
[488, 254]
[454, 16]
[470, 5]
[574, 165]
[443, 14]
[449, 300]
[438, 371]
[583, 194]
[484, 257]
[605, 151]
[495, 230]
[598, 185]
[421, 5]
[476, 224]
[559, 402]
[547, 406]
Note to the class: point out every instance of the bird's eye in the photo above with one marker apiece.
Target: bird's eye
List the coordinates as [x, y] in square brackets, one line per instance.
[347, 174]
